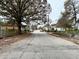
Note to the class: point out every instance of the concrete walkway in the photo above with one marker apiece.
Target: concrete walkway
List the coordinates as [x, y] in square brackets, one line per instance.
[41, 46]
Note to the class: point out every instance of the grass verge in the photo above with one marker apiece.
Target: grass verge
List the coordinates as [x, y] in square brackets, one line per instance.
[62, 35]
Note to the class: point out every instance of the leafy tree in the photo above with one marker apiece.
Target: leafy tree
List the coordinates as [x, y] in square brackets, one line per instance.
[64, 22]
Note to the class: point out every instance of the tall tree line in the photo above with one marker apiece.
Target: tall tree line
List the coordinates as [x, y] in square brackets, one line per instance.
[70, 15]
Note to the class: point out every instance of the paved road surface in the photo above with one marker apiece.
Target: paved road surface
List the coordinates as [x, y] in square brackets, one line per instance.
[41, 46]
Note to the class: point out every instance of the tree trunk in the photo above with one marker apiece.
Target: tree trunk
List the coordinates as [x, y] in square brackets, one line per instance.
[19, 26]
[14, 27]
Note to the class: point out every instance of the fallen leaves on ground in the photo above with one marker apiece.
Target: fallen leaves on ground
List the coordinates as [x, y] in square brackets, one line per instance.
[10, 40]
[76, 41]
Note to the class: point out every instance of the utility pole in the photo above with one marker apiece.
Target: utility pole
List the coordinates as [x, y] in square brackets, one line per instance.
[48, 24]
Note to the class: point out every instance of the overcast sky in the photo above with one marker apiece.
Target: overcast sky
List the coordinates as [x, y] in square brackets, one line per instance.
[57, 8]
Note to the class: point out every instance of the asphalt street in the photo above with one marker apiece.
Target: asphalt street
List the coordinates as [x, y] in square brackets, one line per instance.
[41, 46]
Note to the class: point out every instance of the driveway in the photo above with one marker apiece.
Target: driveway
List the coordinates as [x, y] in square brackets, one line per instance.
[41, 46]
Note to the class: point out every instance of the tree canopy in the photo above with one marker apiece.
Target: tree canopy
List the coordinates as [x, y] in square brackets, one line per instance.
[19, 9]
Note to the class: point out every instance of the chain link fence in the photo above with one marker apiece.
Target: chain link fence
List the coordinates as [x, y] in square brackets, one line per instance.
[6, 32]
[2, 32]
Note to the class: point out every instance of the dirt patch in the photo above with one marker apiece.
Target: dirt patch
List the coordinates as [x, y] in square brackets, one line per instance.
[10, 40]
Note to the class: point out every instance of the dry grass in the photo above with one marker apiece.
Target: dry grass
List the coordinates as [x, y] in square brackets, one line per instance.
[76, 41]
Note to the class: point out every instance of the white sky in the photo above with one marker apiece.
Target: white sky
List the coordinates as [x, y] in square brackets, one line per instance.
[57, 8]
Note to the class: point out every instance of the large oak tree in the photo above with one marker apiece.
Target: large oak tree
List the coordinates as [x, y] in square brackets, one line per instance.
[19, 9]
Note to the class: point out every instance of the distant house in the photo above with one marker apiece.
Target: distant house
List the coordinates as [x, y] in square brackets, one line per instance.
[54, 27]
